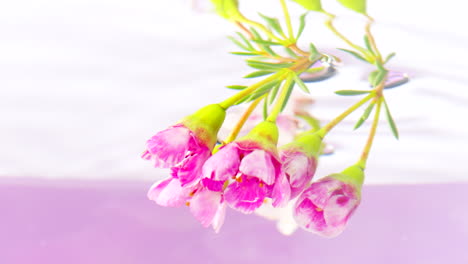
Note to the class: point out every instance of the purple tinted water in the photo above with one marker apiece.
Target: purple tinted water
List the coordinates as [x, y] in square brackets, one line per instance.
[57, 222]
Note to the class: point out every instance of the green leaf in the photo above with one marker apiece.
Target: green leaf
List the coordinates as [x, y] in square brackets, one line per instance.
[266, 42]
[240, 45]
[263, 90]
[267, 65]
[364, 116]
[273, 23]
[372, 76]
[246, 41]
[391, 122]
[389, 57]
[244, 53]
[258, 74]
[300, 83]
[289, 87]
[355, 5]
[273, 93]
[229, 9]
[314, 54]
[352, 92]
[269, 50]
[290, 52]
[379, 77]
[313, 5]
[236, 87]
[355, 54]
[265, 108]
[255, 33]
[368, 45]
[301, 25]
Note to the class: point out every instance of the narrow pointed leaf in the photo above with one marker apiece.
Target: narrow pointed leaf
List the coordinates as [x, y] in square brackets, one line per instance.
[391, 121]
[355, 54]
[244, 53]
[300, 83]
[246, 41]
[269, 50]
[273, 93]
[290, 52]
[301, 25]
[364, 116]
[236, 87]
[265, 108]
[267, 65]
[389, 57]
[238, 43]
[273, 23]
[368, 45]
[289, 87]
[266, 42]
[351, 92]
[379, 77]
[257, 74]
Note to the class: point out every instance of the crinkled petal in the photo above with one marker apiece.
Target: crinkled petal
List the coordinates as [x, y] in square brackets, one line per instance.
[246, 195]
[281, 191]
[204, 206]
[169, 192]
[168, 147]
[189, 171]
[223, 165]
[259, 164]
[216, 186]
[299, 168]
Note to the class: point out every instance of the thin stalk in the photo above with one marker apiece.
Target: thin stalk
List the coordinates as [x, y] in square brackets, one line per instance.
[365, 153]
[325, 129]
[282, 97]
[261, 27]
[233, 135]
[372, 43]
[287, 18]
[247, 91]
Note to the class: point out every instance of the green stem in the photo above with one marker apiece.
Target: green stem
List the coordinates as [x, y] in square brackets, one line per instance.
[247, 91]
[279, 103]
[329, 25]
[232, 136]
[325, 129]
[261, 27]
[287, 18]
[365, 153]
[372, 43]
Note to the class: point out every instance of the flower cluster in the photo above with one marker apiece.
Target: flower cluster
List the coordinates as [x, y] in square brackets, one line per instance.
[247, 174]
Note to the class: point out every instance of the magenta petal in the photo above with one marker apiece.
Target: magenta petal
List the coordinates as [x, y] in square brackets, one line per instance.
[309, 216]
[216, 186]
[189, 171]
[258, 163]
[218, 219]
[168, 147]
[169, 192]
[299, 168]
[281, 191]
[247, 195]
[204, 206]
[223, 165]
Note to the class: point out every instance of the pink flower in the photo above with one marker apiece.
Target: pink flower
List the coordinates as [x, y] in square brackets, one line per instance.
[254, 165]
[299, 159]
[207, 206]
[325, 207]
[185, 146]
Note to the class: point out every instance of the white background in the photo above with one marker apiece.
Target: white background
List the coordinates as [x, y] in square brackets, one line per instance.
[84, 83]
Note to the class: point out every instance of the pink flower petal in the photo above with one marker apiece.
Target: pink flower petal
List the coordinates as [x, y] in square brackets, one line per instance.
[189, 171]
[218, 219]
[281, 191]
[169, 192]
[168, 147]
[259, 164]
[299, 168]
[246, 195]
[205, 206]
[223, 165]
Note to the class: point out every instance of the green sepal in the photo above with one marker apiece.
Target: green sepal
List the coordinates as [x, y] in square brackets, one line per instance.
[228, 9]
[353, 175]
[355, 5]
[205, 123]
[264, 135]
[313, 5]
[308, 143]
